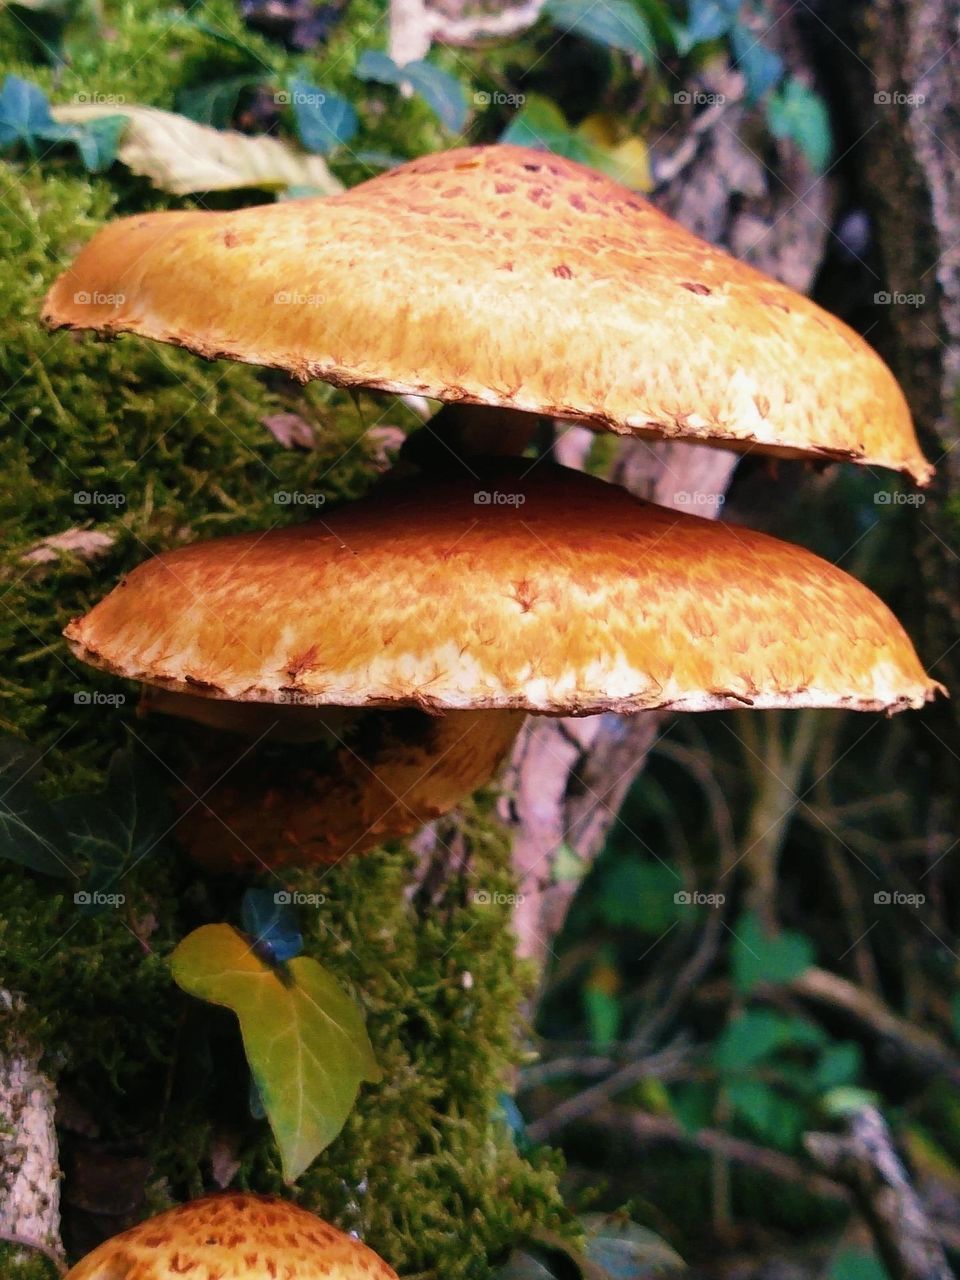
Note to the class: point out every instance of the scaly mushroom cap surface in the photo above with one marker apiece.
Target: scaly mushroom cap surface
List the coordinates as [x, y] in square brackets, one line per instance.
[508, 277]
[530, 588]
[233, 1237]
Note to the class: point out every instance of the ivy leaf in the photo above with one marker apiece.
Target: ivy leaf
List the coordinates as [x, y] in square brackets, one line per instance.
[759, 958]
[304, 1038]
[23, 111]
[616, 24]
[180, 156]
[707, 20]
[800, 114]
[623, 1250]
[440, 90]
[30, 833]
[324, 120]
[272, 923]
[775, 1118]
[758, 1034]
[124, 823]
[215, 103]
[761, 67]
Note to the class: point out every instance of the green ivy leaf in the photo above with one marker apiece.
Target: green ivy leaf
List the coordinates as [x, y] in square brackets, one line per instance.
[639, 893]
[616, 24]
[623, 1250]
[761, 67]
[774, 1118]
[324, 120]
[215, 103]
[706, 20]
[758, 957]
[758, 1034]
[800, 114]
[304, 1038]
[857, 1264]
[31, 834]
[440, 90]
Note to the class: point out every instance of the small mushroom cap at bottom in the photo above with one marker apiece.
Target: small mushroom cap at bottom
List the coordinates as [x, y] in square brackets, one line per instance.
[518, 586]
[233, 1237]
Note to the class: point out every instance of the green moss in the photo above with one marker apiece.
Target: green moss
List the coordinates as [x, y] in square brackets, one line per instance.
[20, 1264]
[425, 1165]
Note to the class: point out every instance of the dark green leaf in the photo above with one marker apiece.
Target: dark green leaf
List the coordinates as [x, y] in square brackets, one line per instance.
[639, 893]
[757, 1034]
[758, 957]
[707, 20]
[840, 1064]
[800, 114]
[441, 91]
[23, 112]
[324, 120]
[856, 1264]
[617, 24]
[215, 103]
[377, 66]
[30, 832]
[761, 67]
[622, 1250]
[775, 1118]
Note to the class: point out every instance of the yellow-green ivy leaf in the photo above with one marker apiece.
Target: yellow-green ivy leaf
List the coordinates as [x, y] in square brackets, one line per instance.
[180, 156]
[304, 1038]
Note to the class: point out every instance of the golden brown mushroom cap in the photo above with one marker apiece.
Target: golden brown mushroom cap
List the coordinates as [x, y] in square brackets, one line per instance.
[530, 588]
[233, 1237]
[508, 277]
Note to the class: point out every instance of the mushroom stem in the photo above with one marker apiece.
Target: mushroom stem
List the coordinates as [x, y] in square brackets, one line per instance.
[471, 431]
[385, 775]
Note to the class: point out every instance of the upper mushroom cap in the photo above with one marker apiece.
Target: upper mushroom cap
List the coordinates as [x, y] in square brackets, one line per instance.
[509, 277]
[531, 587]
[233, 1237]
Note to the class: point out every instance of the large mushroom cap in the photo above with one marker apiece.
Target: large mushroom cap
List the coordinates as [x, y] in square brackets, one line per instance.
[530, 588]
[508, 277]
[233, 1237]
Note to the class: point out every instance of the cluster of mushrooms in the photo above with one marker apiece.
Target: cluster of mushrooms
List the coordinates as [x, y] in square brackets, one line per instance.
[410, 632]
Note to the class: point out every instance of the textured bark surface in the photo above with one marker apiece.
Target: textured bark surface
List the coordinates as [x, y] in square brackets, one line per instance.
[29, 1172]
[907, 51]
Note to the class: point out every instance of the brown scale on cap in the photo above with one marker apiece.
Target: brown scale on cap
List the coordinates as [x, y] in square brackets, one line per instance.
[233, 1237]
[554, 593]
[504, 277]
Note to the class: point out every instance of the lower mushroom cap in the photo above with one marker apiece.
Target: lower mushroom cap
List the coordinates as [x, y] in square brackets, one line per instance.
[521, 586]
[388, 774]
[233, 1237]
